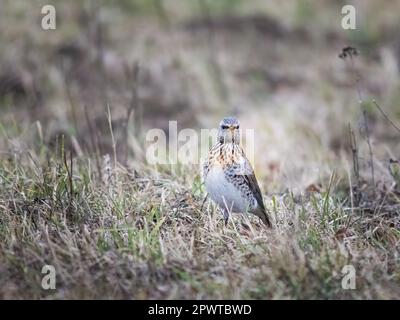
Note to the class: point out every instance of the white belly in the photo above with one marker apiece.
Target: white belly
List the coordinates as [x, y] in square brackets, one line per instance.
[224, 193]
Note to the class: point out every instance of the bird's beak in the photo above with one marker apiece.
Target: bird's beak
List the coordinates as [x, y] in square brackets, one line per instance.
[232, 130]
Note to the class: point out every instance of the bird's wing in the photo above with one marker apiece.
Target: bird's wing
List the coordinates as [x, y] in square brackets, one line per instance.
[251, 181]
[255, 189]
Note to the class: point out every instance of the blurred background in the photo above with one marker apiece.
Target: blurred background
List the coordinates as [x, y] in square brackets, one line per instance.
[273, 64]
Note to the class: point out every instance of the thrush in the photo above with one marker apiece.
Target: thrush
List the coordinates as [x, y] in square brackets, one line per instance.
[229, 177]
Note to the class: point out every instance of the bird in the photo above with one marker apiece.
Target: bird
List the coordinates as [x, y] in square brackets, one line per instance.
[228, 176]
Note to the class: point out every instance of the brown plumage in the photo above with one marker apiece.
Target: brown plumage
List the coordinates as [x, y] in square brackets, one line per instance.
[229, 177]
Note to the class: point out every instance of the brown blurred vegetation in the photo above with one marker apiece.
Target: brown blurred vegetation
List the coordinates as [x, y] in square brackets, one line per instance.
[139, 64]
[198, 60]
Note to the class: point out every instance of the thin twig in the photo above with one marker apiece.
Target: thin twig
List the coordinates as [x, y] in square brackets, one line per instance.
[354, 150]
[69, 173]
[385, 115]
[112, 135]
[93, 140]
[133, 105]
[365, 117]
[356, 168]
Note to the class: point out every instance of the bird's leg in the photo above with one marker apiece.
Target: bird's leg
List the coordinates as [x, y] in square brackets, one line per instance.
[204, 201]
[226, 216]
[225, 211]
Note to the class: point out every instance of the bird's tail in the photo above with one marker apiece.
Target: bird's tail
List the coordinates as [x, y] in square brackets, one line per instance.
[263, 215]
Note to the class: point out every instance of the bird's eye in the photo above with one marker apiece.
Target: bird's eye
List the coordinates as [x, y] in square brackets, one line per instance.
[237, 127]
[224, 127]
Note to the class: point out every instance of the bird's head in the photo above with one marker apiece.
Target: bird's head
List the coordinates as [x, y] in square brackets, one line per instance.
[229, 130]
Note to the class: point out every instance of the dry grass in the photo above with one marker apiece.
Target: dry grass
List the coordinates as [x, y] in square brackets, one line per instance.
[143, 235]
[77, 193]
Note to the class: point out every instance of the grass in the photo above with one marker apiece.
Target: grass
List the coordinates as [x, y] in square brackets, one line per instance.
[145, 236]
[77, 193]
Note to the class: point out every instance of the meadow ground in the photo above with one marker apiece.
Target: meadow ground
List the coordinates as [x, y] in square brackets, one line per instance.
[76, 189]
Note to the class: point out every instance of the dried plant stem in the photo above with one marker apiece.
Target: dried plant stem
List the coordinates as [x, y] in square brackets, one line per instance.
[385, 115]
[69, 173]
[371, 155]
[114, 145]
[356, 168]
[94, 141]
[133, 105]
[365, 118]
[354, 151]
